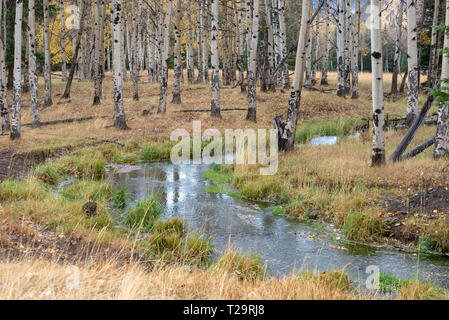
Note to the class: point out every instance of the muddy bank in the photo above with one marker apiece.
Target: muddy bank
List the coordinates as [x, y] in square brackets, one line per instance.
[426, 206]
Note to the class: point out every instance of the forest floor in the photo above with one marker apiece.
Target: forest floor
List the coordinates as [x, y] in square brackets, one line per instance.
[402, 204]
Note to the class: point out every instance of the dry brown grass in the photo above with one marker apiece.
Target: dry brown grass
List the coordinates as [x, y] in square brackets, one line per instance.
[314, 105]
[39, 279]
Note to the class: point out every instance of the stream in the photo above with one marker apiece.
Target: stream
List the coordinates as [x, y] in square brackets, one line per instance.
[285, 245]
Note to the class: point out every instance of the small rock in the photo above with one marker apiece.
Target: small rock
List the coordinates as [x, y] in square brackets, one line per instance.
[313, 215]
[147, 111]
[90, 209]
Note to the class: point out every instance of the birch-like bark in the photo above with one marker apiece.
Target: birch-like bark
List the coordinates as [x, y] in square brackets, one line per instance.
[442, 135]
[215, 101]
[252, 113]
[68, 85]
[47, 66]
[119, 111]
[347, 51]
[63, 38]
[99, 50]
[190, 49]
[397, 50]
[249, 15]
[355, 52]
[433, 66]
[177, 56]
[327, 37]
[240, 59]
[200, 41]
[308, 82]
[4, 114]
[286, 135]
[135, 58]
[164, 72]
[283, 49]
[204, 41]
[413, 68]
[269, 76]
[340, 48]
[378, 156]
[17, 87]
[128, 40]
[32, 64]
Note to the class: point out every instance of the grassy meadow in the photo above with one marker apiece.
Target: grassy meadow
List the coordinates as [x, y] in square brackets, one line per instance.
[143, 257]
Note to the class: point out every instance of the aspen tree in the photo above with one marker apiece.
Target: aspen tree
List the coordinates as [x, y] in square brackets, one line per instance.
[164, 69]
[47, 66]
[442, 135]
[177, 56]
[32, 64]
[413, 68]
[119, 111]
[251, 116]
[17, 86]
[378, 156]
[215, 101]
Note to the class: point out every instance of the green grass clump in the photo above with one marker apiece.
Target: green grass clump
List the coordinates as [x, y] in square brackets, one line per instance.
[120, 198]
[169, 242]
[157, 151]
[246, 267]
[362, 226]
[219, 175]
[145, 213]
[11, 190]
[220, 189]
[334, 127]
[88, 190]
[390, 283]
[79, 166]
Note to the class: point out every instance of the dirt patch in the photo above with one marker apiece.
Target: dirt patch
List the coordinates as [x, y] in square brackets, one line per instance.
[428, 205]
[15, 164]
[30, 239]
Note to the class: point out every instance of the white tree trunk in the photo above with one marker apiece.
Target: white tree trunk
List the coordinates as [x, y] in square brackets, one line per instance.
[397, 50]
[355, 52]
[17, 89]
[442, 135]
[164, 71]
[215, 102]
[99, 50]
[378, 156]
[119, 111]
[63, 38]
[177, 57]
[32, 63]
[340, 48]
[327, 37]
[287, 134]
[433, 67]
[4, 114]
[47, 65]
[252, 116]
[412, 51]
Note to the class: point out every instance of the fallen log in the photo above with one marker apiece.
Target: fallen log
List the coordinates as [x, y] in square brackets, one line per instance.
[208, 110]
[52, 122]
[419, 149]
[411, 132]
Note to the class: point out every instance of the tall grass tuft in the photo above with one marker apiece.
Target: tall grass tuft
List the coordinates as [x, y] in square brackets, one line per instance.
[145, 213]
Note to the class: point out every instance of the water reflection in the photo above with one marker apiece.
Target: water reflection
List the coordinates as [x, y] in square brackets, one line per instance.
[285, 245]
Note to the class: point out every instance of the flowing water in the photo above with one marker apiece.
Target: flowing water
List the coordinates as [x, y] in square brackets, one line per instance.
[285, 245]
